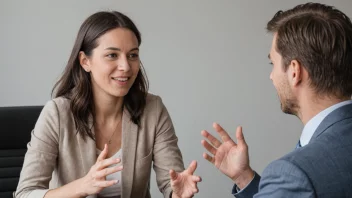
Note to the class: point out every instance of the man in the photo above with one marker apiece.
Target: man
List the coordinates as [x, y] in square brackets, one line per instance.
[311, 55]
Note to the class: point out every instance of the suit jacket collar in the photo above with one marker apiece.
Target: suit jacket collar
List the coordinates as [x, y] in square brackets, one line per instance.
[129, 147]
[337, 115]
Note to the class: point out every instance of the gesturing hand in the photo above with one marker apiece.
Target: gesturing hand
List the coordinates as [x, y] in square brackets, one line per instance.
[95, 181]
[230, 158]
[184, 184]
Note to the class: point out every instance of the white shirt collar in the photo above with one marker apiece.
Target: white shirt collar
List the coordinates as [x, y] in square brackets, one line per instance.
[313, 123]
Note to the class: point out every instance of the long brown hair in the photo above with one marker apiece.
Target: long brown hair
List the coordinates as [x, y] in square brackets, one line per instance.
[75, 83]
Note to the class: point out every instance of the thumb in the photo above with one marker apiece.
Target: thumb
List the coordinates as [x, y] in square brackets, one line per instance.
[240, 138]
[173, 175]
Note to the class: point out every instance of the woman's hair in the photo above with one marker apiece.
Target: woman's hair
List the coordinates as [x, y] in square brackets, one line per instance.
[75, 83]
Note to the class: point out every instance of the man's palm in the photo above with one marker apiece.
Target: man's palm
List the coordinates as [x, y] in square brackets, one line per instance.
[230, 158]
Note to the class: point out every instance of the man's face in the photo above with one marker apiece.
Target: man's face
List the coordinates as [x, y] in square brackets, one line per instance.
[279, 77]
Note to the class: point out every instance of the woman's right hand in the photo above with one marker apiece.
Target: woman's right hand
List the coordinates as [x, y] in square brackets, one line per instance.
[95, 181]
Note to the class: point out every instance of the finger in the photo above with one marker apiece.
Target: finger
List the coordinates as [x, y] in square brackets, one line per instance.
[240, 138]
[193, 184]
[173, 175]
[107, 171]
[192, 167]
[195, 190]
[209, 158]
[209, 147]
[211, 138]
[107, 162]
[223, 134]
[104, 184]
[196, 178]
[103, 154]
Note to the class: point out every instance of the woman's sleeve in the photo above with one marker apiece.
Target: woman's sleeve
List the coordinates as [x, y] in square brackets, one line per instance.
[166, 153]
[41, 157]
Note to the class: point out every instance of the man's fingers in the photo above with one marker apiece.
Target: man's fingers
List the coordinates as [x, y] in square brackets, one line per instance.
[240, 138]
[223, 134]
[209, 147]
[209, 158]
[215, 142]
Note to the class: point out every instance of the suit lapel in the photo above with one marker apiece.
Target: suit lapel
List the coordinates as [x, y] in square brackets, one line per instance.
[129, 146]
[87, 149]
[87, 152]
[337, 115]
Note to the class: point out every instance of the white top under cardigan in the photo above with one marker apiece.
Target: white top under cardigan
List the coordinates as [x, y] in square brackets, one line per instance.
[115, 190]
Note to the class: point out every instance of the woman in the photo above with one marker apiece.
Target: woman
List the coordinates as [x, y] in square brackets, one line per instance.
[100, 134]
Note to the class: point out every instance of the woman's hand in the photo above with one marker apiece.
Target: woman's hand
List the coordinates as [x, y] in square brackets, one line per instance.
[95, 181]
[184, 184]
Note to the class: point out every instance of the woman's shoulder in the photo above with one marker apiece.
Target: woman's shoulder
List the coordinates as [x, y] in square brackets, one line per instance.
[154, 104]
[59, 104]
[152, 98]
[62, 102]
[153, 101]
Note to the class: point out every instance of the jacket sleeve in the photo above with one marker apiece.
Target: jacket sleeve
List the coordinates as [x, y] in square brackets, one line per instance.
[166, 153]
[41, 156]
[284, 179]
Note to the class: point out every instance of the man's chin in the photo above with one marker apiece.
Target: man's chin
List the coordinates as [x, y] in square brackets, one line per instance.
[287, 110]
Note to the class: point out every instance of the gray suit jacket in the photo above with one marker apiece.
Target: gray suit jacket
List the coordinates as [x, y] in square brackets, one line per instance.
[323, 168]
[57, 156]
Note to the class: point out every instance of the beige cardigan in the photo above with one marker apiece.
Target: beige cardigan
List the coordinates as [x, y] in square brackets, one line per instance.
[57, 156]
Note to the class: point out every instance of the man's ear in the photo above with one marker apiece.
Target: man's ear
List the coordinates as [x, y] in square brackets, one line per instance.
[84, 61]
[295, 73]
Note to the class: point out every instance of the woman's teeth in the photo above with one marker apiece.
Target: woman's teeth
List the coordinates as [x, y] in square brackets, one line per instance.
[121, 79]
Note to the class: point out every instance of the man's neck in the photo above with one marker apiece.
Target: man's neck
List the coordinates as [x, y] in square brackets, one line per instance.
[311, 105]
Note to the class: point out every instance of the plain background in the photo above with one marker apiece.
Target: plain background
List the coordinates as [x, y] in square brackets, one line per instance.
[206, 59]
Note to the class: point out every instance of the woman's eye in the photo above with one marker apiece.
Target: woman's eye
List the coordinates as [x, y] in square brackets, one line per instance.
[112, 55]
[133, 56]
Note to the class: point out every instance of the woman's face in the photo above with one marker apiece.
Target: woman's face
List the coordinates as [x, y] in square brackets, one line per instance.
[114, 63]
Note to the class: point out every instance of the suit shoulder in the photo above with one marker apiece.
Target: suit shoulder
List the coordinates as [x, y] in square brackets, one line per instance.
[282, 166]
[282, 178]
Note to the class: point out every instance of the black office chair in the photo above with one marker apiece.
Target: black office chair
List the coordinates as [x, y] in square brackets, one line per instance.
[16, 124]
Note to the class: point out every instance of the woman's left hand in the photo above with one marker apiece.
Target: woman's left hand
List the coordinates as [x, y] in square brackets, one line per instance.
[184, 184]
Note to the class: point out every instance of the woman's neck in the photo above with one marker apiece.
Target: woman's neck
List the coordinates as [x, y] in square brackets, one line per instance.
[107, 108]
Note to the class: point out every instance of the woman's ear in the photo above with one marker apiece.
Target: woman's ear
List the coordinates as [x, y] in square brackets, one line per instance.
[84, 61]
